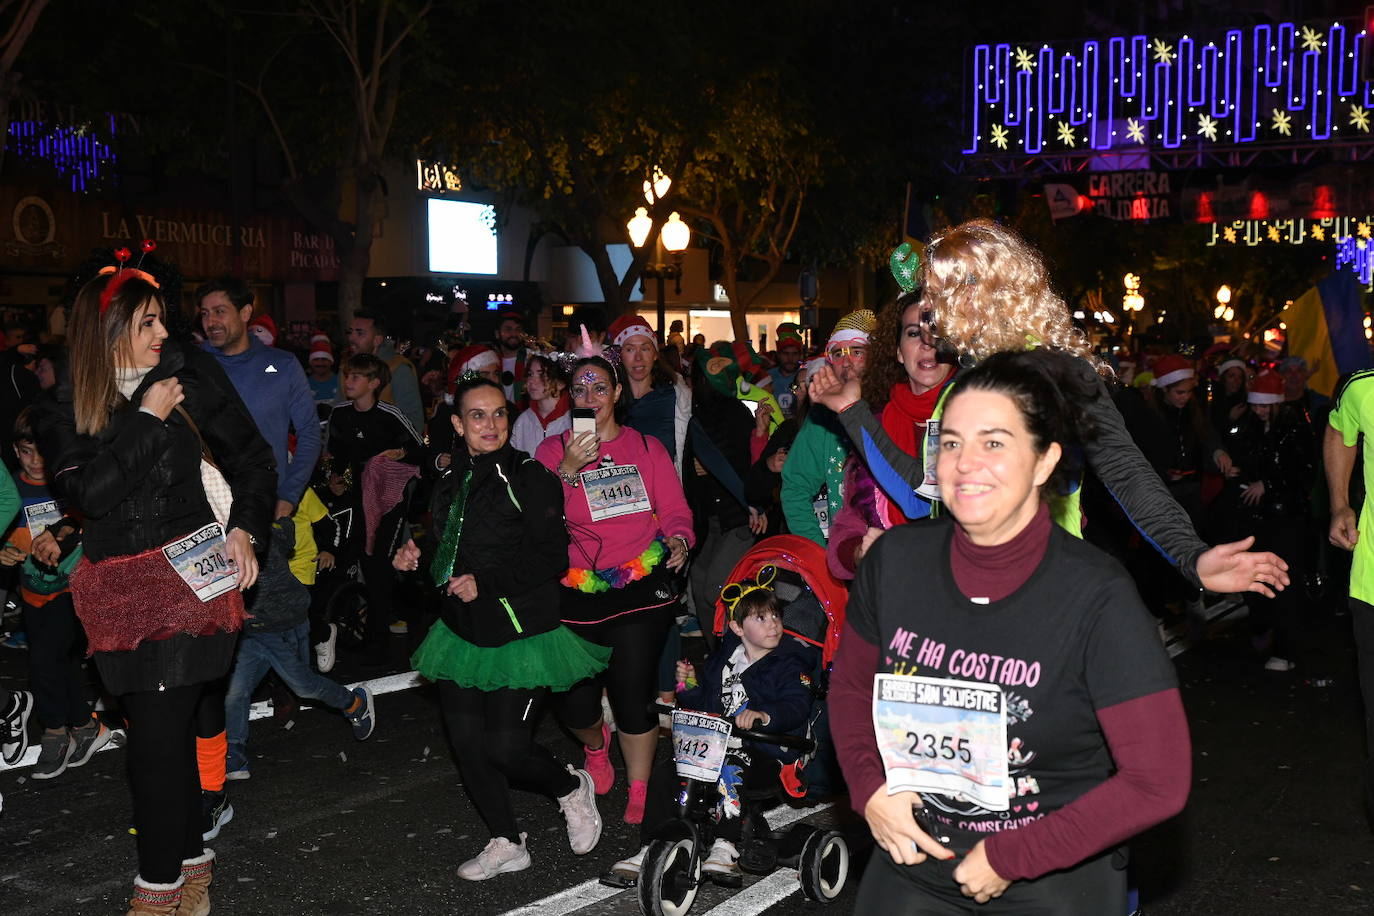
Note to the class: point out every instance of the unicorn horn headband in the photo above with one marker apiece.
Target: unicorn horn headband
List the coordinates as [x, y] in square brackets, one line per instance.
[124, 274]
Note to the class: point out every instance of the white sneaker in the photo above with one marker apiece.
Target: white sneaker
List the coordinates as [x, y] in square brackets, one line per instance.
[628, 869]
[723, 860]
[579, 810]
[499, 856]
[324, 651]
[1279, 664]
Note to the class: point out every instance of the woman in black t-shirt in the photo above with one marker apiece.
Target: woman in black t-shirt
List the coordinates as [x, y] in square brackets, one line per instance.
[1039, 724]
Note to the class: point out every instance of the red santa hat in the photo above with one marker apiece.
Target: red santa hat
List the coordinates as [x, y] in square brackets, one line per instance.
[1231, 364]
[471, 359]
[321, 351]
[264, 329]
[627, 326]
[1266, 388]
[1171, 368]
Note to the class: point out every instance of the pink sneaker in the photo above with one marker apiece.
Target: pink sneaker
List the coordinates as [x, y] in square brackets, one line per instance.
[598, 763]
[634, 808]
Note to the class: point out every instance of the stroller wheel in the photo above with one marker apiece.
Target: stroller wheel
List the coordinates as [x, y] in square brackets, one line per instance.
[823, 865]
[669, 878]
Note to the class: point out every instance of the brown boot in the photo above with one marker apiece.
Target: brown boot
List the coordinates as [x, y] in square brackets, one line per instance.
[155, 899]
[195, 894]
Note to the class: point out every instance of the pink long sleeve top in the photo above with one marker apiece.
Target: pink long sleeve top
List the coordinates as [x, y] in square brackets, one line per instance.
[610, 542]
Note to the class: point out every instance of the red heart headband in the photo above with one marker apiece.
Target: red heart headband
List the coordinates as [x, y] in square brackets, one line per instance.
[124, 274]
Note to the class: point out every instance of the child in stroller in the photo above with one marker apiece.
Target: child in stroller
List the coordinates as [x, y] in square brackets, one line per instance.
[765, 676]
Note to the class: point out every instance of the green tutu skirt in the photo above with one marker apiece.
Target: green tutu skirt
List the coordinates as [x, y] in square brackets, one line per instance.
[556, 659]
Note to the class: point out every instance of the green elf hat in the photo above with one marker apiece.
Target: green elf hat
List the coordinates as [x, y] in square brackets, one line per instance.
[719, 366]
[789, 333]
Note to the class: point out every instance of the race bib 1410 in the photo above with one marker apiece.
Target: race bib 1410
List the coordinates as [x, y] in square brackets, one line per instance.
[614, 491]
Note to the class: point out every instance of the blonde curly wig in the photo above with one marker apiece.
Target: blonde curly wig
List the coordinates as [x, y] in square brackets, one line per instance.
[989, 292]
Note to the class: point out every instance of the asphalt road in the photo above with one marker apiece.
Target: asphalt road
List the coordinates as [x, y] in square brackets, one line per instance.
[328, 825]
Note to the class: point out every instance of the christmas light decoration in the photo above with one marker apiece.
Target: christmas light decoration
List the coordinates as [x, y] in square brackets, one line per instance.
[1254, 232]
[74, 152]
[1254, 85]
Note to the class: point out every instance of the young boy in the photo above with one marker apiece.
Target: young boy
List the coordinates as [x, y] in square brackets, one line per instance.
[44, 538]
[359, 431]
[366, 427]
[761, 678]
[277, 637]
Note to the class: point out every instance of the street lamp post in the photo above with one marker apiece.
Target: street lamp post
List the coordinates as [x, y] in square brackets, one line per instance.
[673, 237]
[1224, 311]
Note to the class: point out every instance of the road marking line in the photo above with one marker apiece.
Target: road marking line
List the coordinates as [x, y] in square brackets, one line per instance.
[760, 895]
[588, 892]
[391, 683]
[566, 901]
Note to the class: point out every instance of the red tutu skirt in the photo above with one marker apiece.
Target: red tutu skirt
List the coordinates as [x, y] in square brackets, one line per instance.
[125, 601]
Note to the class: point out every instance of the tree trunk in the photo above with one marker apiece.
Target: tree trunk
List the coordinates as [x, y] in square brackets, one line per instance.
[355, 255]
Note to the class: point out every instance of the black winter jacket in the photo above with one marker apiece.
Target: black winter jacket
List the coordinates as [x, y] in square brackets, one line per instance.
[514, 543]
[778, 684]
[1283, 457]
[138, 482]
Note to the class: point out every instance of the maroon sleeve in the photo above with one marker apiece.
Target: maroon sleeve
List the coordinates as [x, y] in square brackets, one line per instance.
[1148, 737]
[851, 717]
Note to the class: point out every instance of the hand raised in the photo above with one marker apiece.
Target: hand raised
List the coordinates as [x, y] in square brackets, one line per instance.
[162, 397]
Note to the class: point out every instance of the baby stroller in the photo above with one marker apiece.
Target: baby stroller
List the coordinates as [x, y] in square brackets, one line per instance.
[672, 869]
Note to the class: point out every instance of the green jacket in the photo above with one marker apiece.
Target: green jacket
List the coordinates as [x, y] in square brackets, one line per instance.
[815, 460]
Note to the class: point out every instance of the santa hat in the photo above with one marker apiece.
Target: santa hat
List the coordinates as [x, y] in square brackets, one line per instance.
[264, 329]
[853, 328]
[1171, 368]
[627, 326]
[1230, 364]
[320, 337]
[320, 349]
[471, 359]
[1266, 388]
[788, 333]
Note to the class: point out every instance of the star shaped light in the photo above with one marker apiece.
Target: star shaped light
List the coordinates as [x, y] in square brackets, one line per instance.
[1066, 134]
[1283, 122]
[1229, 234]
[1311, 39]
[1164, 52]
[1273, 233]
[1359, 117]
[1135, 130]
[1207, 127]
[1319, 233]
[999, 136]
[1025, 61]
[1362, 230]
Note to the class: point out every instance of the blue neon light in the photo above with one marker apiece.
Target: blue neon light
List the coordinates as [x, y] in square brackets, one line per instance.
[1263, 84]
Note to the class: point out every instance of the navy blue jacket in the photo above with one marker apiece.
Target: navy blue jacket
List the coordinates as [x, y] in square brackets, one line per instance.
[778, 684]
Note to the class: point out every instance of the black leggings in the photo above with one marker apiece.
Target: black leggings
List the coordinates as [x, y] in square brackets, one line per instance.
[56, 647]
[163, 779]
[492, 735]
[636, 641]
[1096, 887]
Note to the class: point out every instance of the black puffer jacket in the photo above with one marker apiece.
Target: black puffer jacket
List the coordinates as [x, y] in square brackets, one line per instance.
[1282, 456]
[513, 541]
[138, 482]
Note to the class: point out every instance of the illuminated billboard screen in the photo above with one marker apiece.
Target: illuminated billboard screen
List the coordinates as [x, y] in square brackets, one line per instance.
[462, 237]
